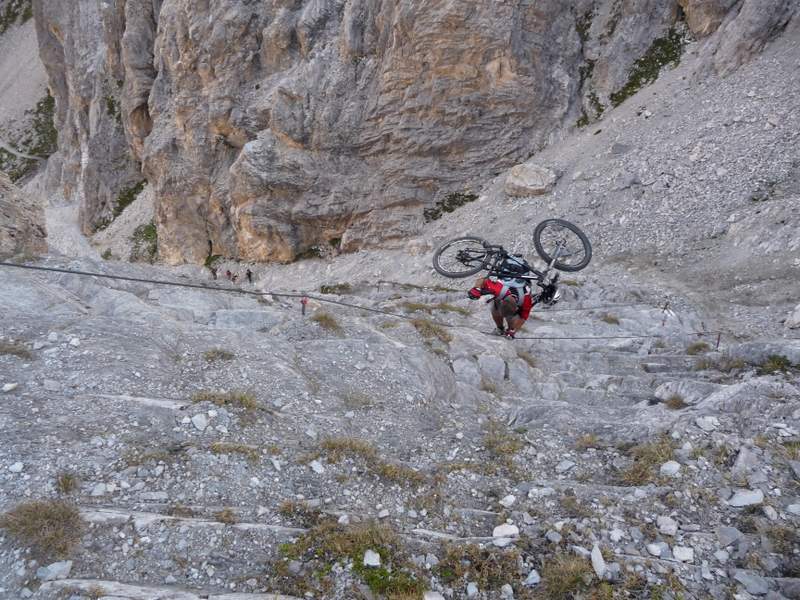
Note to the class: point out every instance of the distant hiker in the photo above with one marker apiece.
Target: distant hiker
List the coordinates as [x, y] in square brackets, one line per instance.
[249, 275]
[228, 274]
[213, 273]
[235, 277]
[512, 299]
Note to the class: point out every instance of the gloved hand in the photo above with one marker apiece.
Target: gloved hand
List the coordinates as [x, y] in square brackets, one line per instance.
[510, 333]
[474, 293]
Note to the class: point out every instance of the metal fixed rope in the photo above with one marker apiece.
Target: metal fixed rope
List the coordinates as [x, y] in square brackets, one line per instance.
[304, 297]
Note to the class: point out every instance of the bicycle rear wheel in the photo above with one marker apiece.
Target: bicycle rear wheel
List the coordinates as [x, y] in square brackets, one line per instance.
[461, 257]
[576, 251]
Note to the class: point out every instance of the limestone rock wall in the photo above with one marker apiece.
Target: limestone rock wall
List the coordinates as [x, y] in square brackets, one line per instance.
[268, 128]
[22, 229]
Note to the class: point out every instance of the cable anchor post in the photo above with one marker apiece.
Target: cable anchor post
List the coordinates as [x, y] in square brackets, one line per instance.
[665, 309]
[719, 338]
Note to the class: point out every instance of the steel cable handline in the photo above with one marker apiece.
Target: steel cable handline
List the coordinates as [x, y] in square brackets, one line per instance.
[340, 303]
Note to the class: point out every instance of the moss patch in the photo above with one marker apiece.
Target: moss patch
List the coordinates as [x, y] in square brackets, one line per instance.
[40, 140]
[583, 23]
[145, 243]
[329, 543]
[663, 51]
[16, 11]
[127, 196]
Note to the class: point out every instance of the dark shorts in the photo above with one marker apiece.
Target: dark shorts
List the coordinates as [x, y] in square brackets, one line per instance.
[506, 308]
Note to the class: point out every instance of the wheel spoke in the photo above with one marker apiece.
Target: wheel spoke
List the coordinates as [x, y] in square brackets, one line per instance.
[572, 252]
[462, 256]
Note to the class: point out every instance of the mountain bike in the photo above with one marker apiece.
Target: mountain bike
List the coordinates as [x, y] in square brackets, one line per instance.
[560, 244]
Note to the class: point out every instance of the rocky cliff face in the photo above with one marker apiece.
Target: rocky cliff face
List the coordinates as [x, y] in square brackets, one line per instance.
[21, 222]
[268, 130]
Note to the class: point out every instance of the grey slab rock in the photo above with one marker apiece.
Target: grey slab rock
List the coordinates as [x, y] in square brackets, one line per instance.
[667, 526]
[754, 584]
[746, 461]
[57, 570]
[793, 320]
[492, 367]
[690, 391]
[743, 497]
[727, 535]
[533, 578]
[598, 562]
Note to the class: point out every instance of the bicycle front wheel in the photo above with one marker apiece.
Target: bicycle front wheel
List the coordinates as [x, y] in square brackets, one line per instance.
[573, 247]
[461, 257]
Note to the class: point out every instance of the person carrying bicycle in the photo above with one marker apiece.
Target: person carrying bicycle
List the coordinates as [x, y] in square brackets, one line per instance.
[512, 299]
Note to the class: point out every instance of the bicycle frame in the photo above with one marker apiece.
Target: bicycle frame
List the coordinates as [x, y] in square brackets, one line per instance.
[499, 254]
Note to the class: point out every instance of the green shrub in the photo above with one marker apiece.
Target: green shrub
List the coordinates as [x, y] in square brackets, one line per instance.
[663, 51]
[447, 205]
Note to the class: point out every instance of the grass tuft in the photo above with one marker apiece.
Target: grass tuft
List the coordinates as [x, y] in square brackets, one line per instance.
[216, 354]
[339, 448]
[327, 322]
[783, 539]
[489, 568]
[487, 386]
[300, 512]
[227, 516]
[344, 447]
[248, 452]
[180, 511]
[429, 330]
[573, 509]
[500, 442]
[775, 363]
[646, 457]
[726, 364]
[356, 400]
[66, 483]
[429, 308]
[697, 348]
[15, 349]
[588, 440]
[235, 399]
[610, 319]
[399, 474]
[675, 402]
[336, 289]
[565, 576]
[51, 527]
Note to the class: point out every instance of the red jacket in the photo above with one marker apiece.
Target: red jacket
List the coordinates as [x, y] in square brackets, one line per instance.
[495, 288]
